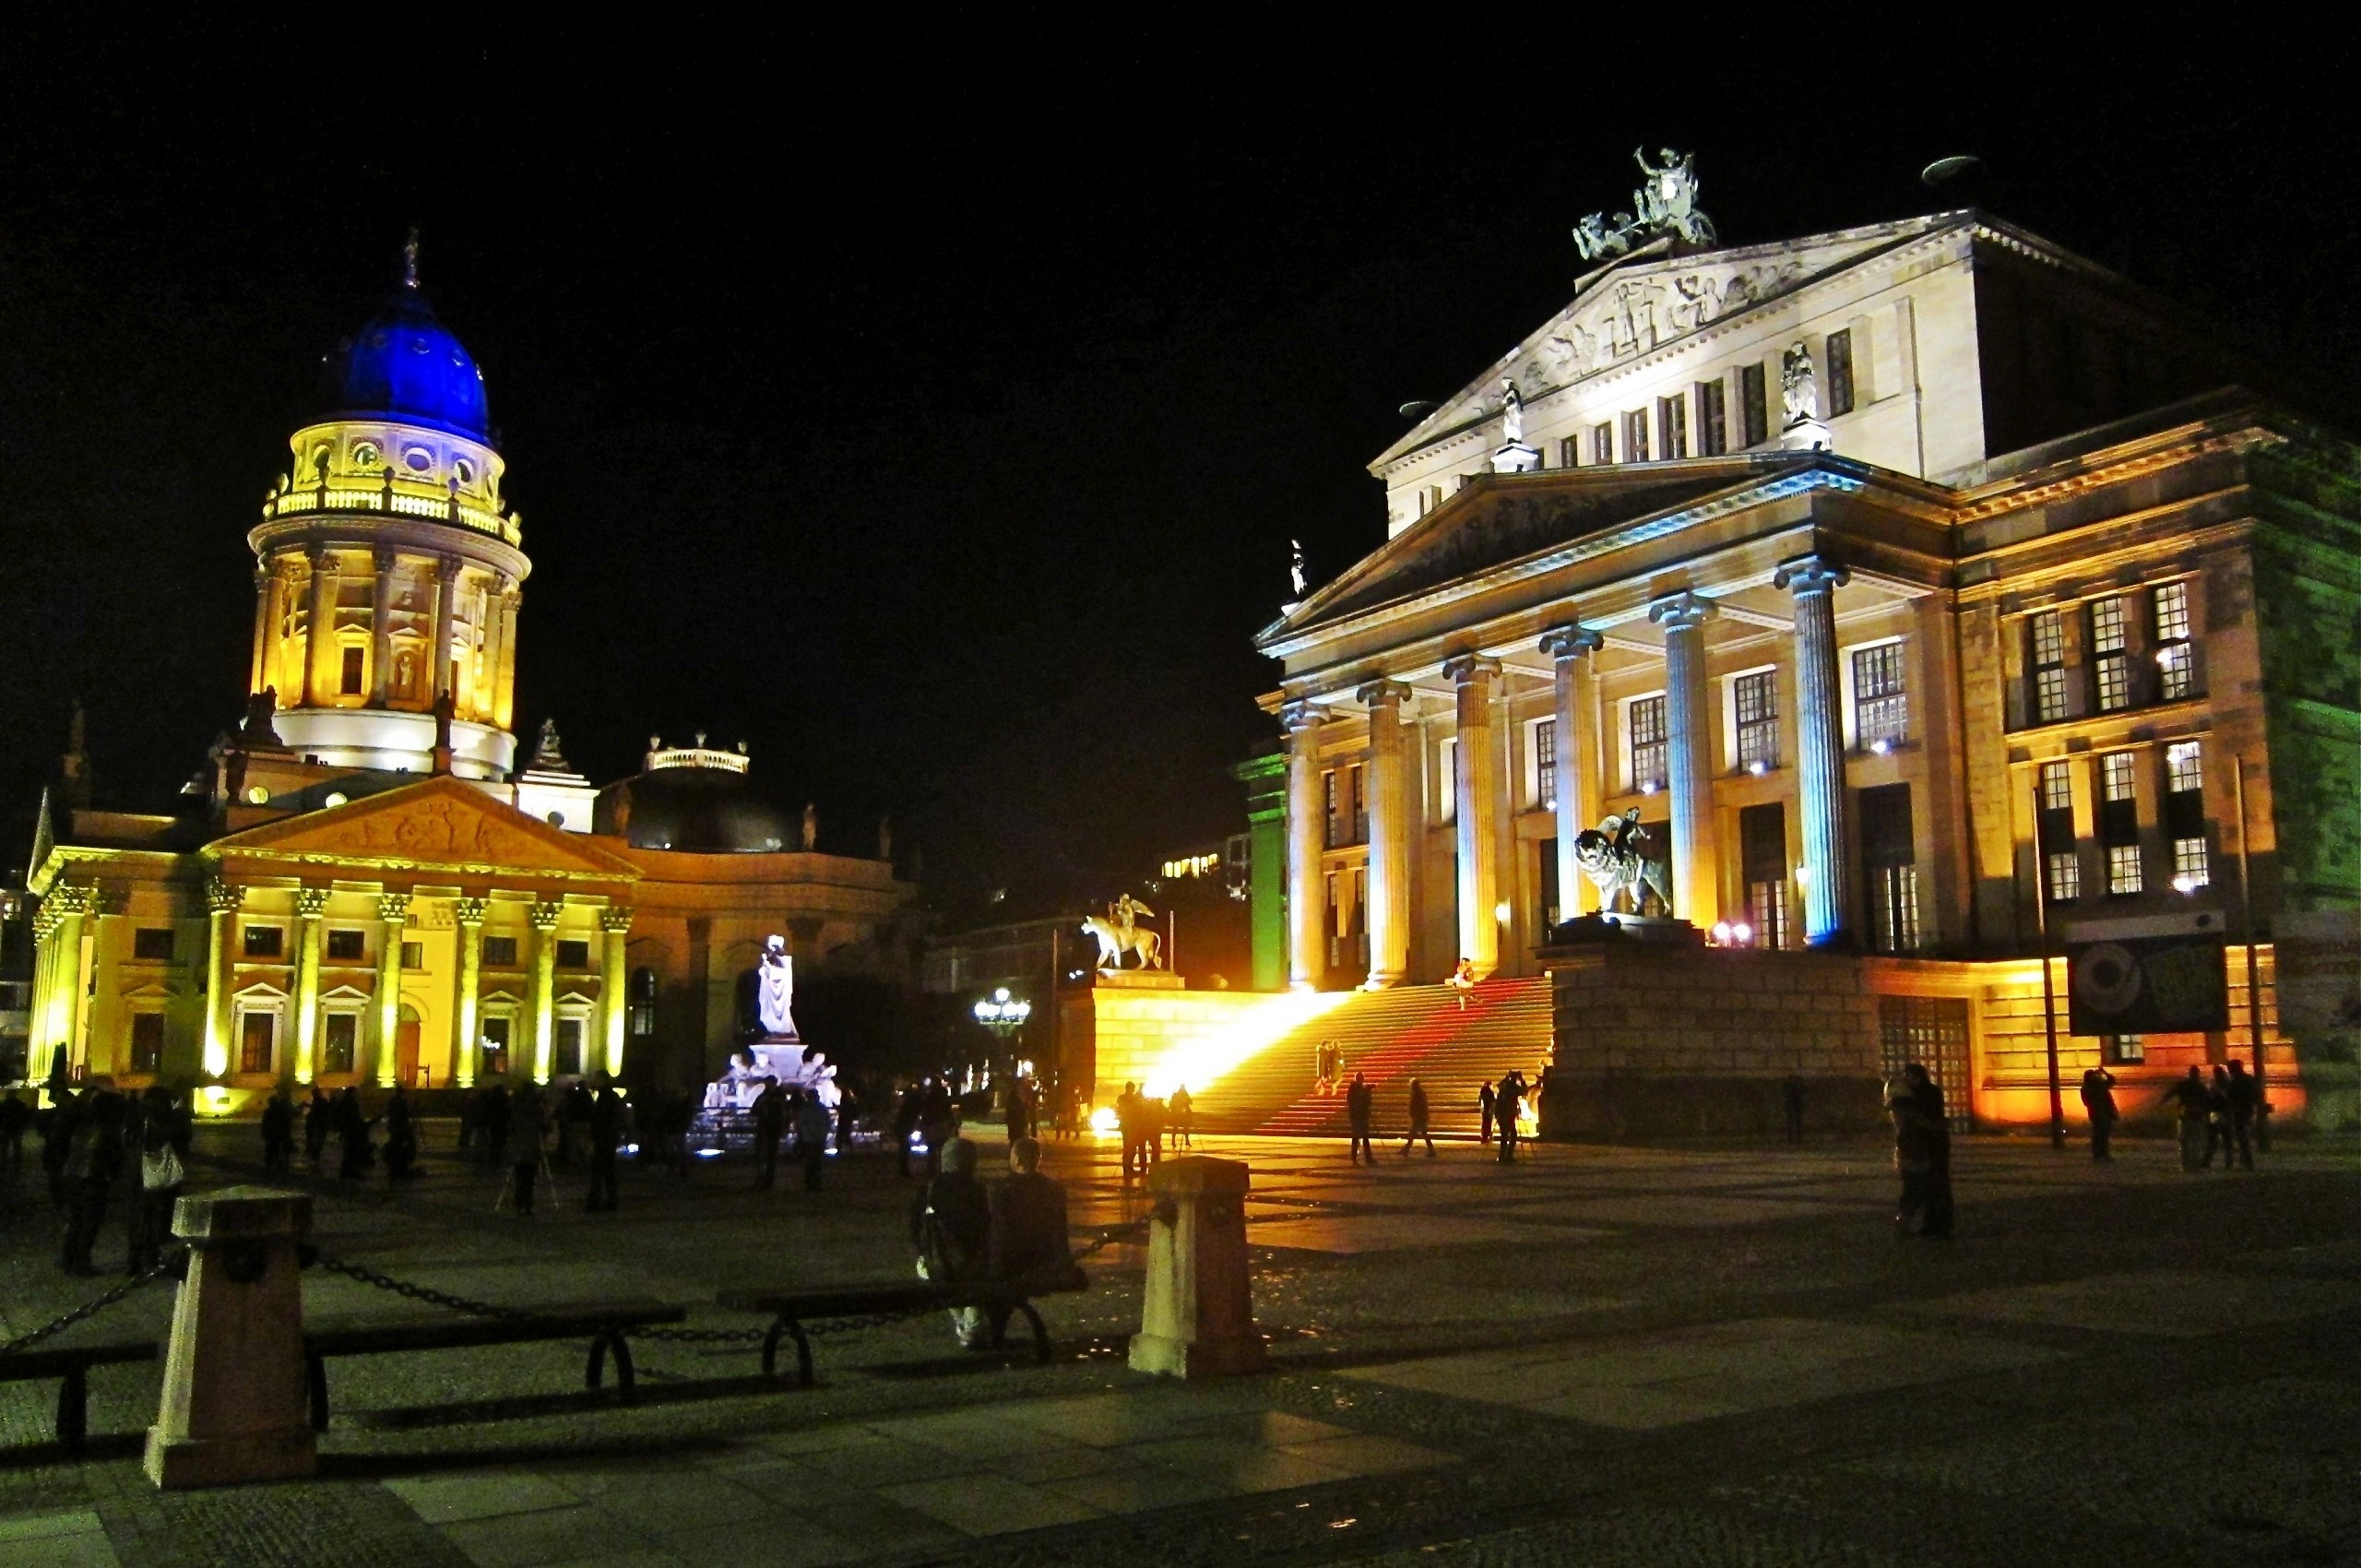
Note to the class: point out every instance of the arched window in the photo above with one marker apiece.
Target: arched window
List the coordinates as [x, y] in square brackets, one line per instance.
[643, 1003]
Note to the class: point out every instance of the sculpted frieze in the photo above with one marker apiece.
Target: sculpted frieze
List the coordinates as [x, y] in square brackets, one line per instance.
[1637, 314]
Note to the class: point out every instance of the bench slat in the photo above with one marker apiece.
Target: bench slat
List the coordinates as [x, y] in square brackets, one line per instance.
[56, 1360]
[362, 1337]
[918, 1295]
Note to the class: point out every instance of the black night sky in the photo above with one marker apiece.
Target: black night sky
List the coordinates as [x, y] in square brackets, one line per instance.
[930, 406]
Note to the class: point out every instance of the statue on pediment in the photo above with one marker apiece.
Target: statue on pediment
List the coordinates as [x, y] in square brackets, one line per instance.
[1800, 386]
[1665, 204]
[1511, 412]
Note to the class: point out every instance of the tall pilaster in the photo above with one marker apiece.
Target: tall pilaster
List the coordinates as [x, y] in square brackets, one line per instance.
[221, 904]
[265, 625]
[1477, 805]
[320, 665]
[504, 664]
[1307, 836]
[1389, 836]
[1819, 761]
[1569, 648]
[446, 594]
[393, 916]
[544, 916]
[1688, 757]
[613, 1003]
[465, 1043]
[68, 993]
[311, 903]
[381, 626]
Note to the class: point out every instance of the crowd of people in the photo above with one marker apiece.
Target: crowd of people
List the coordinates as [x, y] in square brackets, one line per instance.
[99, 1146]
[1149, 1125]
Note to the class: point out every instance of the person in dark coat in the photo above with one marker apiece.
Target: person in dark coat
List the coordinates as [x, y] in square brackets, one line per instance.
[2217, 1121]
[161, 1172]
[811, 1126]
[319, 1117]
[1506, 1101]
[951, 1226]
[770, 1123]
[1485, 1100]
[1419, 1118]
[93, 1161]
[2193, 1099]
[2245, 1098]
[2099, 1109]
[522, 1147]
[401, 1137]
[1029, 1241]
[1359, 1101]
[906, 1111]
[352, 1126]
[1127, 1124]
[14, 1117]
[606, 1126]
[57, 1126]
[1183, 1110]
[938, 1122]
[492, 1119]
[1932, 1129]
[845, 1113]
[279, 1133]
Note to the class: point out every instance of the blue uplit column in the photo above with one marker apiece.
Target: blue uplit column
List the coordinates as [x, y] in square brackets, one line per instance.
[1688, 757]
[1828, 913]
[1568, 646]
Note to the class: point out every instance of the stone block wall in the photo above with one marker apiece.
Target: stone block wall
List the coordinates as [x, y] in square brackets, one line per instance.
[1125, 1035]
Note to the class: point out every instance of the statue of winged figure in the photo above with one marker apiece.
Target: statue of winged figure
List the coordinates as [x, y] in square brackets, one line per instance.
[1665, 203]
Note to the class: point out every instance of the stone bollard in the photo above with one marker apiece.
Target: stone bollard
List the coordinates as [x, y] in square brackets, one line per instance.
[1199, 1318]
[233, 1407]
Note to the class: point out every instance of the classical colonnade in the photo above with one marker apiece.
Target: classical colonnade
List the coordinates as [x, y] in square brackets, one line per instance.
[307, 667]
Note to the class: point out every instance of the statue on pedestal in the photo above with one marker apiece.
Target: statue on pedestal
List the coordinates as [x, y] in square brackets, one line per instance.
[1619, 856]
[775, 990]
[810, 827]
[1800, 386]
[1120, 932]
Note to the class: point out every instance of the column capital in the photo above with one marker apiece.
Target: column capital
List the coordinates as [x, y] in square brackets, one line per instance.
[319, 555]
[546, 914]
[1570, 641]
[447, 567]
[311, 903]
[1682, 611]
[386, 559]
[470, 911]
[1810, 574]
[222, 897]
[1302, 717]
[1378, 693]
[1467, 668]
[71, 898]
[392, 907]
[616, 917]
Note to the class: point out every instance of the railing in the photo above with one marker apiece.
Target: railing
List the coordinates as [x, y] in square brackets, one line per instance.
[386, 498]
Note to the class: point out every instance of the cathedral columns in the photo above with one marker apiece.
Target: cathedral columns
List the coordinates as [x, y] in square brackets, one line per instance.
[265, 625]
[221, 902]
[502, 672]
[320, 669]
[1688, 757]
[1577, 763]
[393, 915]
[544, 916]
[612, 1000]
[1306, 949]
[464, 1034]
[1476, 807]
[68, 993]
[381, 628]
[1389, 837]
[1820, 770]
[311, 903]
[446, 593]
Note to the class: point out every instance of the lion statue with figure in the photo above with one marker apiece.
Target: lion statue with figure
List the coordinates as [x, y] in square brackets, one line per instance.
[1620, 858]
[1120, 932]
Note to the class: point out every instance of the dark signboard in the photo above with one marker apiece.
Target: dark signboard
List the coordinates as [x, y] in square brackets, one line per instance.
[2157, 974]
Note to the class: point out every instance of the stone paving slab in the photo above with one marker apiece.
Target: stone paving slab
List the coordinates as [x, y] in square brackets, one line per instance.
[2177, 1303]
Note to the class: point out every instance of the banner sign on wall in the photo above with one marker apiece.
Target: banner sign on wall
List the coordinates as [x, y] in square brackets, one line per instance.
[2148, 974]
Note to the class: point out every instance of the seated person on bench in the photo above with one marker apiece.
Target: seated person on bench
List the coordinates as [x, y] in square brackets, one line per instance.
[951, 1226]
[1028, 1233]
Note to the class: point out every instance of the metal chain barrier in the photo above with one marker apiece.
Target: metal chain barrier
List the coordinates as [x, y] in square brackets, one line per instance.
[1110, 1234]
[87, 1311]
[426, 1293]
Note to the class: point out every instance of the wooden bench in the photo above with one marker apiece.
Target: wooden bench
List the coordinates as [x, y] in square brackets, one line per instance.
[71, 1365]
[790, 1310]
[605, 1323]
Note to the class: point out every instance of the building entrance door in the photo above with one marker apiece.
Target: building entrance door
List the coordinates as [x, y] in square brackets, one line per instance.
[406, 1050]
[1932, 1031]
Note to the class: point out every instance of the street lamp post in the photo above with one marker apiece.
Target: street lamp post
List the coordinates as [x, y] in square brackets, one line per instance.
[1005, 1016]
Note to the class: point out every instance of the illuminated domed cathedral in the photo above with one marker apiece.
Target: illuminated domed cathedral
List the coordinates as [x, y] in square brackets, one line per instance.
[363, 886]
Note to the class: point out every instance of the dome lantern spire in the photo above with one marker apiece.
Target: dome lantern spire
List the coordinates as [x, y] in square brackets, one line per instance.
[409, 260]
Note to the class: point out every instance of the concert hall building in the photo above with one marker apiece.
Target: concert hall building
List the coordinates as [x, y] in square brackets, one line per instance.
[1931, 593]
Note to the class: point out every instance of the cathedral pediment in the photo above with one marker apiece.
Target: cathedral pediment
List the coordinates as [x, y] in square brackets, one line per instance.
[438, 822]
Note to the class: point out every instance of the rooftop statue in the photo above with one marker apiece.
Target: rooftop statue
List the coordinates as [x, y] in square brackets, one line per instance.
[1120, 932]
[1511, 412]
[1665, 204]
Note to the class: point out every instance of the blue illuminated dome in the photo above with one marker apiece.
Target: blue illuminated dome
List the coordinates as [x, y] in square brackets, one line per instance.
[405, 365]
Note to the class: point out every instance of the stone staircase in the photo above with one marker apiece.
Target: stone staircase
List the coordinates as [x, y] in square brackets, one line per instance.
[1390, 1037]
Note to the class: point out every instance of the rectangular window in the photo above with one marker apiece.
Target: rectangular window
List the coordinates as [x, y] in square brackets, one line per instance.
[496, 1043]
[1545, 764]
[1569, 451]
[152, 942]
[1331, 836]
[1758, 720]
[2184, 812]
[1880, 705]
[257, 1033]
[1602, 444]
[500, 952]
[1763, 861]
[1545, 882]
[346, 947]
[2185, 767]
[2123, 1050]
[2054, 829]
[354, 659]
[1754, 405]
[569, 1047]
[2176, 666]
[146, 1042]
[1713, 419]
[1635, 436]
[2049, 667]
[573, 953]
[265, 941]
[413, 955]
[2117, 772]
[1890, 850]
[2057, 787]
[340, 1044]
[1933, 1032]
[2123, 868]
[1839, 373]
[2065, 875]
[1359, 793]
[2111, 661]
[1647, 728]
[1672, 426]
[2191, 865]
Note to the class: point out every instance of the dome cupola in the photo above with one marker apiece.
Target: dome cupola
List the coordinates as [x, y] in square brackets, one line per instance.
[405, 365]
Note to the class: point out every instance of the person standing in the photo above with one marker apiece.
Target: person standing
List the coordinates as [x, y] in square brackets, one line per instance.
[1151, 1111]
[93, 1161]
[2218, 1120]
[522, 1148]
[278, 1133]
[2246, 1094]
[1127, 1126]
[1927, 1099]
[2191, 1094]
[1419, 1118]
[352, 1126]
[161, 1174]
[906, 1111]
[770, 1124]
[1184, 1133]
[1029, 1240]
[491, 1121]
[319, 1115]
[606, 1129]
[1914, 1159]
[1485, 1100]
[812, 1123]
[951, 1226]
[1463, 981]
[401, 1137]
[845, 1113]
[1358, 1101]
[1506, 1102]
[2098, 1106]
[938, 1122]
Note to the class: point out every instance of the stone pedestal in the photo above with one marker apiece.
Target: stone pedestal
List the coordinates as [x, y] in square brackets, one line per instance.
[1140, 979]
[233, 1408]
[1807, 435]
[1199, 1317]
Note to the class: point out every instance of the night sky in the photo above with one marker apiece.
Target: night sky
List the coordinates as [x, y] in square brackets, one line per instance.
[930, 406]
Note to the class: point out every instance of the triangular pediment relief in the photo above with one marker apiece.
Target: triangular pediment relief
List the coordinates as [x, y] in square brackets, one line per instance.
[438, 822]
[260, 991]
[345, 993]
[1625, 311]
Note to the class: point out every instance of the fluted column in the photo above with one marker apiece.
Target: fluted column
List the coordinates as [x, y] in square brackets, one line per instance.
[503, 674]
[1389, 836]
[381, 627]
[446, 594]
[1307, 836]
[464, 1042]
[393, 915]
[266, 594]
[1568, 646]
[44, 929]
[71, 996]
[544, 916]
[1689, 756]
[1475, 789]
[221, 903]
[1828, 914]
[311, 903]
[612, 1001]
[319, 638]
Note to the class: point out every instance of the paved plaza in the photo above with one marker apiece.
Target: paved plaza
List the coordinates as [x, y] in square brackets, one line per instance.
[1601, 1355]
